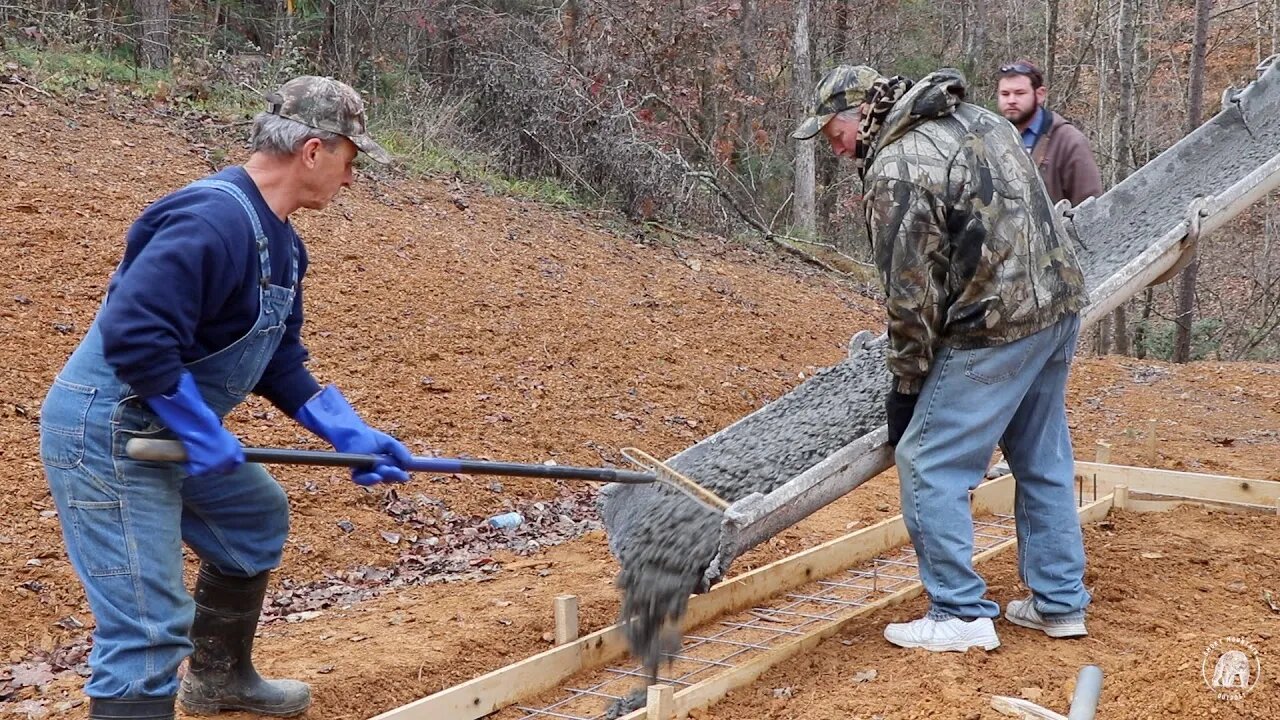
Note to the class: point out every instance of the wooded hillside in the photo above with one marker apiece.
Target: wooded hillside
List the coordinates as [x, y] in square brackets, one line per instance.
[679, 112]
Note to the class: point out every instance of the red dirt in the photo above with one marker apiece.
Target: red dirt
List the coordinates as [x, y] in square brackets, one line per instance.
[501, 328]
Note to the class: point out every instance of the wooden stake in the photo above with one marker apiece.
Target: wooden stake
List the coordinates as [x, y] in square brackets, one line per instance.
[566, 610]
[1151, 442]
[1121, 500]
[1103, 455]
[662, 703]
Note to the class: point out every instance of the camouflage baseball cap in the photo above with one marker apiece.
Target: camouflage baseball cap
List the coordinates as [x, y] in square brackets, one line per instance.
[843, 87]
[326, 104]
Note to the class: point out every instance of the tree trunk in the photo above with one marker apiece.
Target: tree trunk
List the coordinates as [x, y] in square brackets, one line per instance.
[1050, 40]
[213, 22]
[1186, 309]
[802, 204]
[329, 34]
[570, 23]
[1120, 324]
[831, 221]
[975, 36]
[748, 33]
[1258, 34]
[1126, 59]
[1140, 332]
[1195, 99]
[154, 38]
[1103, 68]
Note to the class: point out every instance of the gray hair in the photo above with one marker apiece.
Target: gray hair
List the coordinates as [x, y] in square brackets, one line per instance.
[853, 115]
[276, 135]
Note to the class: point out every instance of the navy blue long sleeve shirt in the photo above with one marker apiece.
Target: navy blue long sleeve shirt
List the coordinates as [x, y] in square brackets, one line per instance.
[188, 287]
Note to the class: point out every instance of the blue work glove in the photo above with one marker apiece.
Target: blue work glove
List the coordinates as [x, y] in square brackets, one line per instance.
[329, 415]
[899, 407]
[211, 448]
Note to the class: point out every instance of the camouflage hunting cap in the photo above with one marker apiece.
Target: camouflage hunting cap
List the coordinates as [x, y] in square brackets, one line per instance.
[326, 104]
[843, 87]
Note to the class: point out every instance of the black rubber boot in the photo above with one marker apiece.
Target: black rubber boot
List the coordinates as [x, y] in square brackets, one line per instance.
[220, 675]
[131, 709]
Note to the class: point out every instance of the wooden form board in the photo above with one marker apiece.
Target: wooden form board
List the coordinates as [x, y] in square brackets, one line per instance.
[505, 686]
[1168, 488]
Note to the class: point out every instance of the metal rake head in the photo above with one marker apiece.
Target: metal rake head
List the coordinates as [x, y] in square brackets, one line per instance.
[680, 482]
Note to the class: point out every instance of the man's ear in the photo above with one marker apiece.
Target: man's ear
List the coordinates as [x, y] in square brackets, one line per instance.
[1041, 93]
[310, 149]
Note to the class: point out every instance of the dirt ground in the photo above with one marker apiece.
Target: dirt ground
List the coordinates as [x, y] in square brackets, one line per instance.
[480, 325]
[1166, 588]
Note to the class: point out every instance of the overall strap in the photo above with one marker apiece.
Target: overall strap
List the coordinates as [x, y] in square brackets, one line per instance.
[264, 256]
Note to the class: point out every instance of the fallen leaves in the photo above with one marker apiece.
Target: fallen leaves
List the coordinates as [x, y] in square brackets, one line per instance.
[43, 668]
[29, 675]
[439, 546]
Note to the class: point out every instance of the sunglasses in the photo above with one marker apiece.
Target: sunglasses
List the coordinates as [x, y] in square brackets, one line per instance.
[1019, 68]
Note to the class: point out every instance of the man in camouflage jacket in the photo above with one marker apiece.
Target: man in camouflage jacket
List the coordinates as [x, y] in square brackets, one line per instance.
[983, 294]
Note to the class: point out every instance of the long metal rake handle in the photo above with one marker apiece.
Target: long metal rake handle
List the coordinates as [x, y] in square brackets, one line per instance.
[173, 451]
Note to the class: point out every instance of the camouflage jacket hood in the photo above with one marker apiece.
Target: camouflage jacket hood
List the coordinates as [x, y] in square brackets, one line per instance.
[969, 248]
[937, 95]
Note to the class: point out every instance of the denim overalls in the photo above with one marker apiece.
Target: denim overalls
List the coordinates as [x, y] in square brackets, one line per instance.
[124, 521]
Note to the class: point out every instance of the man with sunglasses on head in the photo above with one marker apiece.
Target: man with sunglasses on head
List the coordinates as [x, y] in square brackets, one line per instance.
[1059, 149]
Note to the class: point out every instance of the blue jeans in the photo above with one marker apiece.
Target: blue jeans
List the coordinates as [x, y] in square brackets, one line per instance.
[124, 523]
[1013, 394]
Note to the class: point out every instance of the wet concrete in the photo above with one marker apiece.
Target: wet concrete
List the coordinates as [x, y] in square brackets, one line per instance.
[633, 701]
[664, 540]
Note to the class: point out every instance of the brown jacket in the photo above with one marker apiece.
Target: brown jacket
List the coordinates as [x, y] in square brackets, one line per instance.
[1066, 162]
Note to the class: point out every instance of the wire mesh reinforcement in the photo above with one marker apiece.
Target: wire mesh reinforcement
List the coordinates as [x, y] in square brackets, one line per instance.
[740, 637]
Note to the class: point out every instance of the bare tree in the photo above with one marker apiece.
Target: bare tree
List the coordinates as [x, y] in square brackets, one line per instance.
[1195, 98]
[1051, 39]
[154, 37]
[973, 23]
[1104, 53]
[802, 205]
[1126, 58]
[748, 34]
[569, 22]
[831, 41]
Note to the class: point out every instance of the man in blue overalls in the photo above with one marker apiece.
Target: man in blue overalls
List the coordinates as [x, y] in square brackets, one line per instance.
[205, 308]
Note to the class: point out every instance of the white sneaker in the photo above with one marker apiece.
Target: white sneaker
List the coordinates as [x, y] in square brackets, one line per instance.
[953, 635]
[1024, 613]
